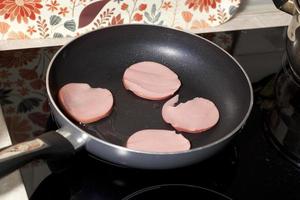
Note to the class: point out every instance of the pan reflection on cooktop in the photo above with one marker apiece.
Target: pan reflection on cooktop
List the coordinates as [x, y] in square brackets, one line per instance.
[89, 178]
[176, 191]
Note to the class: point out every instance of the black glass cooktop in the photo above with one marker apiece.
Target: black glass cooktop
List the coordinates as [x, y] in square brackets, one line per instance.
[248, 168]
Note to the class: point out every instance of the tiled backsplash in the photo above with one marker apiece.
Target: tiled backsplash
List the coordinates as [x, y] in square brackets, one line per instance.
[30, 19]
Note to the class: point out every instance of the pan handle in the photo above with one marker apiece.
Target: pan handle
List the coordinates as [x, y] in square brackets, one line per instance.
[50, 146]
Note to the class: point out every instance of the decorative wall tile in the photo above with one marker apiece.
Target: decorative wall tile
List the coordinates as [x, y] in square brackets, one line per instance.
[25, 19]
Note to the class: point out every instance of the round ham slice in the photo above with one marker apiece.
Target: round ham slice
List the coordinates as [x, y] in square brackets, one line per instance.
[194, 116]
[85, 104]
[159, 141]
[151, 80]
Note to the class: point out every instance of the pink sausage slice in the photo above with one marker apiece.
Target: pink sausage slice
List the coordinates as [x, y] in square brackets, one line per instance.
[194, 116]
[85, 104]
[151, 80]
[159, 141]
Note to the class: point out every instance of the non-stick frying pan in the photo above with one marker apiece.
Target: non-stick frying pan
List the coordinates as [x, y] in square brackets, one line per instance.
[100, 59]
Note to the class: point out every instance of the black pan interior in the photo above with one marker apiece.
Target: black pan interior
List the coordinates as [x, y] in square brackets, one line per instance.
[101, 57]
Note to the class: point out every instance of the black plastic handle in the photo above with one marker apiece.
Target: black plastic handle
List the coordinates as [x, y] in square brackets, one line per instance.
[49, 146]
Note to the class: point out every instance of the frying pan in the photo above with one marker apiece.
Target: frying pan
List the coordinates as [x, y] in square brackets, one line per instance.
[100, 58]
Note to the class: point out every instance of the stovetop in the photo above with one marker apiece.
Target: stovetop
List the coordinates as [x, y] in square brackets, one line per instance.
[250, 167]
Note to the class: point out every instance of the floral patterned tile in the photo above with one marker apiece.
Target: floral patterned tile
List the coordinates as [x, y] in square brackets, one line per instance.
[23, 94]
[32, 19]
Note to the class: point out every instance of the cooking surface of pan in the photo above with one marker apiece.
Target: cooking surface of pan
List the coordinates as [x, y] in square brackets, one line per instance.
[101, 57]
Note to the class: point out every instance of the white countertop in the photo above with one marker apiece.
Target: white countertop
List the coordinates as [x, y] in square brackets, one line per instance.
[11, 186]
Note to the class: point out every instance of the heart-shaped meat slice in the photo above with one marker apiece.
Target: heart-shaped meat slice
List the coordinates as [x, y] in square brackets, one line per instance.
[85, 104]
[194, 116]
[159, 141]
[151, 80]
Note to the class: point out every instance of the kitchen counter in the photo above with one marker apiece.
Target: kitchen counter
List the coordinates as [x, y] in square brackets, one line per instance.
[12, 187]
[60, 23]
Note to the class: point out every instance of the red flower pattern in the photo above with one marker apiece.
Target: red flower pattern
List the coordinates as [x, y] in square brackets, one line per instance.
[31, 30]
[63, 11]
[52, 18]
[202, 4]
[138, 17]
[53, 5]
[124, 6]
[167, 5]
[20, 9]
[142, 7]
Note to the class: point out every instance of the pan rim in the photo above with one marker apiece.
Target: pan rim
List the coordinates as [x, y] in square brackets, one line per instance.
[123, 148]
